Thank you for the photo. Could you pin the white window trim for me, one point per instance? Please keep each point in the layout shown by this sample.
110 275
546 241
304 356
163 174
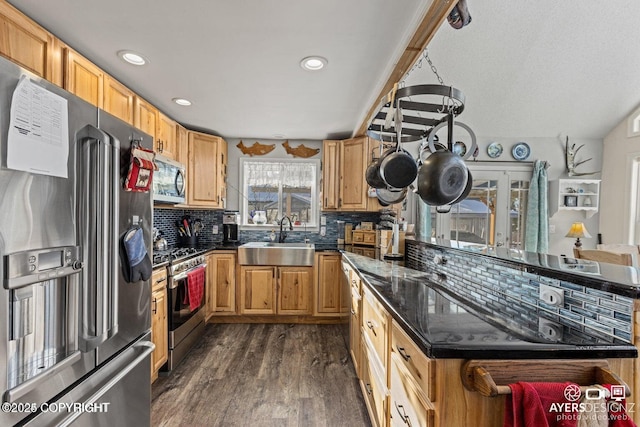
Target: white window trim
244 202
633 124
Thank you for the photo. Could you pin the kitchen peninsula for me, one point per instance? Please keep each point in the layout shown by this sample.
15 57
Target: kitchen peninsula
429 330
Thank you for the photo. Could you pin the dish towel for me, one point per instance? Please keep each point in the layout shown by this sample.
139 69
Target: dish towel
530 405
591 409
617 413
195 287
135 261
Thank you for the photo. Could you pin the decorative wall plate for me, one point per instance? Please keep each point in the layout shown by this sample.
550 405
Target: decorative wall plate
459 148
520 151
494 150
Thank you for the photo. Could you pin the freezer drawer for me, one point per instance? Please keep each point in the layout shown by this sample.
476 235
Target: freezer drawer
116 394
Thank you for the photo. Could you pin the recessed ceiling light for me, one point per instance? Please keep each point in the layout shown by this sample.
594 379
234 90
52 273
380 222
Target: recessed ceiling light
132 57
313 63
182 101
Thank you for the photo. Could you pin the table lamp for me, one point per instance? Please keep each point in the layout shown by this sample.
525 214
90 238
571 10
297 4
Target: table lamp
578 230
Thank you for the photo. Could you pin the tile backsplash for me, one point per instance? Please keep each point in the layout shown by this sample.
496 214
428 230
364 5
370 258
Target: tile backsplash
164 219
512 294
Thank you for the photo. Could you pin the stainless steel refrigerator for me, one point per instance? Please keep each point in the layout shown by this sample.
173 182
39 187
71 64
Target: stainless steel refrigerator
74 334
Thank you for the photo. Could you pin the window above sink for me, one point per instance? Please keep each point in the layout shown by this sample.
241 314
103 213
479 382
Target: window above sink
280 187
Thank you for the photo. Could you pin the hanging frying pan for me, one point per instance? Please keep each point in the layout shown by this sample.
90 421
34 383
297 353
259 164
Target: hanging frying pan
388 196
398 168
372 174
442 178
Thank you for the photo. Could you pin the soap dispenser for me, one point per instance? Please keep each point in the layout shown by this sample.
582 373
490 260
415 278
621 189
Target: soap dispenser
273 235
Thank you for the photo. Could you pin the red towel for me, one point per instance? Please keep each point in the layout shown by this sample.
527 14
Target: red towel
540 405
195 287
617 413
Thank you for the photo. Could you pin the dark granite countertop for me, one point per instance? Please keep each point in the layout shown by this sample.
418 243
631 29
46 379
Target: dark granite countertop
447 326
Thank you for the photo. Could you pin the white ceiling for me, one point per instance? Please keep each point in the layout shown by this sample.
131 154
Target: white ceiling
528 69
238 61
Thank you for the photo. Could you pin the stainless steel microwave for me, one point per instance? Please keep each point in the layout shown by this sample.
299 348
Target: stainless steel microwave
168 181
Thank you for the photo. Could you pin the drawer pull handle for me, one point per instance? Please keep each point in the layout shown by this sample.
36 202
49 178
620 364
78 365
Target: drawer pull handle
155 306
161 280
368 388
403 353
403 415
353 312
370 325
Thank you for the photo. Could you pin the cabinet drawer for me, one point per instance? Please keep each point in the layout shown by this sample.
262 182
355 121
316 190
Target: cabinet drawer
358 237
370 238
407 407
413 359
158 278
375 324
374 388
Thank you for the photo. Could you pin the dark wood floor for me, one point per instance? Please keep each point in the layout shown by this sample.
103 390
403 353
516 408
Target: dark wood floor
263 375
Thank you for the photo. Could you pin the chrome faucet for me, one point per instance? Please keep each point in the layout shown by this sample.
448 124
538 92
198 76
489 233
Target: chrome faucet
283 234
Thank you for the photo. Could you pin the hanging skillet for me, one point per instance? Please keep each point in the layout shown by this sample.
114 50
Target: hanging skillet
398 168
443 175
388 196
372 174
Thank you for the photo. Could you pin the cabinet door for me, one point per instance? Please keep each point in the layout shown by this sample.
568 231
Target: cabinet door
202 185
166 135
144 118
224 274
83 78
27 44
159 328
257 290
330 279
182 143
408 406
118 99
222 172
294 290
330 175
355 341
353 166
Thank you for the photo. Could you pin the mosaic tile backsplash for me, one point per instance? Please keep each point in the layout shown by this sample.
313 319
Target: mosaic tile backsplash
511 294
164 220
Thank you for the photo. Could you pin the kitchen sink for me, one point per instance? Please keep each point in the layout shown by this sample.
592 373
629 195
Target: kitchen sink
273 253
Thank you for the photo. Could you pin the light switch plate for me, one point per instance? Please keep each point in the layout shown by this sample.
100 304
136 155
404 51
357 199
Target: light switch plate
323 220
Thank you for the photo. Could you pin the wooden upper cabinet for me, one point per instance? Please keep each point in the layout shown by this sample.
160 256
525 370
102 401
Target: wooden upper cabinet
353 166
330 174
166 135
182 143
83 78
202 176
145 118
118 99
29 45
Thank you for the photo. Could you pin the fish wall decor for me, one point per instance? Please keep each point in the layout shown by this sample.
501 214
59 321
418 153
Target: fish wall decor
256 149
300 150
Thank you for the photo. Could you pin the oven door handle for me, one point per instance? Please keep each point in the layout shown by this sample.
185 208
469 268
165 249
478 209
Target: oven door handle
183 275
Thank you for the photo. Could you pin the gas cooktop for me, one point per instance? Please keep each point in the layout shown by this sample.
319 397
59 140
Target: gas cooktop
175 255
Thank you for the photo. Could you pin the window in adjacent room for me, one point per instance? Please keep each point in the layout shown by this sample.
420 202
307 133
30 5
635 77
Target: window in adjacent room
280 187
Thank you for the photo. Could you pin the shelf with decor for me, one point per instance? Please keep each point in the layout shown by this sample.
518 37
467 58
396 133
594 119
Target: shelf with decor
570 194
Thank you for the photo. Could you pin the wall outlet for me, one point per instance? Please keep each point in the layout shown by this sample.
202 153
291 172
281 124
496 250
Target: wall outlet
551 295
323 231
552 229
214 229
549 329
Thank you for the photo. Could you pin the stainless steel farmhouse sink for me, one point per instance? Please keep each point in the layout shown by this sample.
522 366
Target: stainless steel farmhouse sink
272 253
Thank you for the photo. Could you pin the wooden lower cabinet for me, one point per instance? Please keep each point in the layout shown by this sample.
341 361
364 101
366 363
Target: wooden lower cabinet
407 404
257 290
275 290
159 325
330 298
221 283
294 290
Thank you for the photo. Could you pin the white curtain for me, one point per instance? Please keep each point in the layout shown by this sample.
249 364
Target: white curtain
291 175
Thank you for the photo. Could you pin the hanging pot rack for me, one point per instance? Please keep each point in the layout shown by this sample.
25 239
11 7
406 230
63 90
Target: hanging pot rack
423 107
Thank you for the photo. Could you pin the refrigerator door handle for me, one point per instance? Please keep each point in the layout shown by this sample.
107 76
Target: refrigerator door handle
146 348
98 216
24 388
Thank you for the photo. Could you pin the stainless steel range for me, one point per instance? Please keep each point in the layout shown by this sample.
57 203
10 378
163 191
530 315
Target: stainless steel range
186 326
